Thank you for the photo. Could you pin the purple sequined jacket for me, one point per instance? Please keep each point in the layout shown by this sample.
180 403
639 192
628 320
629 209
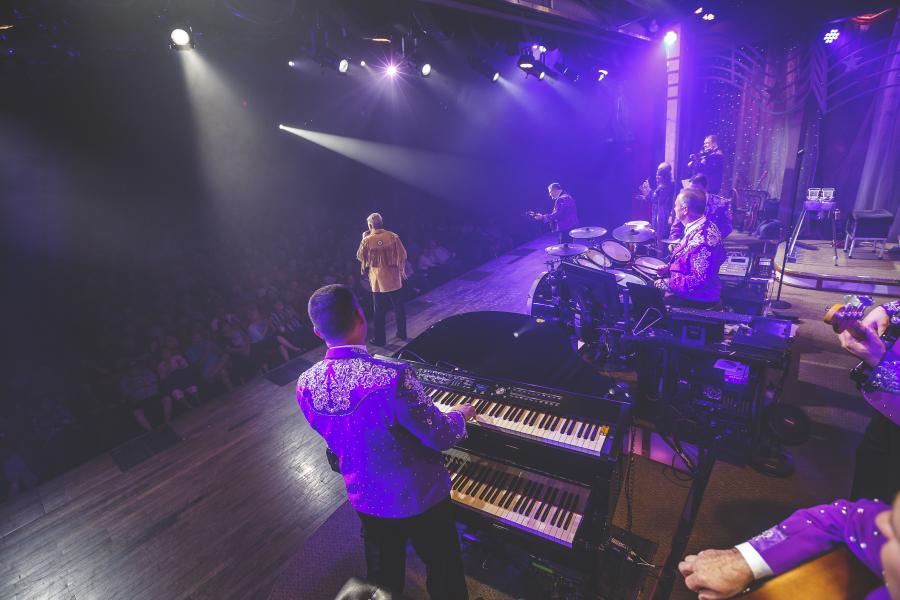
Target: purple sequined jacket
811 532
564 216
695 262
386 431
883 390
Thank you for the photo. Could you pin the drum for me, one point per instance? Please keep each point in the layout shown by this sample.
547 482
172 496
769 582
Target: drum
598 258
582 261
616 252
540 298
623 278
648 266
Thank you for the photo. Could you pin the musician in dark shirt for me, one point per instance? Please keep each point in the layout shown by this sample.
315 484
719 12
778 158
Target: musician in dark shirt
709 162
564 216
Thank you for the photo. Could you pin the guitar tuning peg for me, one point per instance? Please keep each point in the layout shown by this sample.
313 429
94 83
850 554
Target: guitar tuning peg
866 301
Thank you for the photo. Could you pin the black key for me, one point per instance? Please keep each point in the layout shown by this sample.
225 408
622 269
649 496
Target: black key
534 498
511 493
548 505
523 498
565 510
555 515
555 424
500 487
581 430
572 511
489 488
476 479
544 421
595 432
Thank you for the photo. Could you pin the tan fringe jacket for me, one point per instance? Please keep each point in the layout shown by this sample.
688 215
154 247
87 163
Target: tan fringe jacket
382 252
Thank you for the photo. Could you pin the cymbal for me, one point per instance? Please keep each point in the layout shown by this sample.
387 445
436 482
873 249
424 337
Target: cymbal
629 234
638 224
565 249
674 240
584 233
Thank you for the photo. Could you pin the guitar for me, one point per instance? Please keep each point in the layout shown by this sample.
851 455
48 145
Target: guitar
847 317
837 575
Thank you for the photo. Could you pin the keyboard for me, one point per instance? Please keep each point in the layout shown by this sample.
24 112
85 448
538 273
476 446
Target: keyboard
587 436
536 504
711 315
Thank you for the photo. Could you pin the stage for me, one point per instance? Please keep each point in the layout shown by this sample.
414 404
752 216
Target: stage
865 273
223 512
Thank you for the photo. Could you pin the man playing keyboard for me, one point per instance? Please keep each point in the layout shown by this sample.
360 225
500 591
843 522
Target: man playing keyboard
388 436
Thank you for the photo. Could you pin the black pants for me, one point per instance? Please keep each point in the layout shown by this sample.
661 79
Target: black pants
877 470
434 538
383 301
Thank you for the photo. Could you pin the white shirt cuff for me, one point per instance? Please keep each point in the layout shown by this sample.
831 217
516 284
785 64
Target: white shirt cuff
758 565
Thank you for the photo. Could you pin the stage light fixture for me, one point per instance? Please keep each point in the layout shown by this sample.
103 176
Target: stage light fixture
391 70
831 36
327 57
670 38
542 74
526 62
362 63
181 39
425 69
485 68
291 63
709 17
699 10
601 74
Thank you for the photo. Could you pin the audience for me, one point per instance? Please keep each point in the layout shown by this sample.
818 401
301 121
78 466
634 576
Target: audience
200 317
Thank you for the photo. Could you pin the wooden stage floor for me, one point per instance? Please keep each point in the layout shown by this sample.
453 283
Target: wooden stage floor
220 513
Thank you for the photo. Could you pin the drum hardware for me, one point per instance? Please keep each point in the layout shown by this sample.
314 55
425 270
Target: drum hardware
617 253
648 266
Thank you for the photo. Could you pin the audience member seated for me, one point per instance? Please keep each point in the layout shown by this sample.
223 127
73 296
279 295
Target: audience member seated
140 391
262 339
292 335
205 355
177 378
868 528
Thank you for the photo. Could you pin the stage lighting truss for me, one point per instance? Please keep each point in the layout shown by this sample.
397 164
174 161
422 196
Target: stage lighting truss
182 38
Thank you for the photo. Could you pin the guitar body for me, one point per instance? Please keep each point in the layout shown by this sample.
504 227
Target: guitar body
846 317
837 575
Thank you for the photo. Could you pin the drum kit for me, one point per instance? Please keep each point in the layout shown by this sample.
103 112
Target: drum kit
625 256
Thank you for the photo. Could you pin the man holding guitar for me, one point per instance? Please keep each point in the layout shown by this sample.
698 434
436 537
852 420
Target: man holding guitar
870 529
564 216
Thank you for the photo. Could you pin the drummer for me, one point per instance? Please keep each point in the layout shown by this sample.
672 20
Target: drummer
691 278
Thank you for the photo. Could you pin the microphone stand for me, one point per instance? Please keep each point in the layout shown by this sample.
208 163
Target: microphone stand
778 303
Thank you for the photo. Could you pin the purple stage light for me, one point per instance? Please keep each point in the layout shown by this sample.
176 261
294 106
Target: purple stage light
831 36
670 38
699 10
291 63
709 17
391 70
601 74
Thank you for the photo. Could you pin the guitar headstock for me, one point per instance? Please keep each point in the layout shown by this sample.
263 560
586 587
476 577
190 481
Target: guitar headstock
846 315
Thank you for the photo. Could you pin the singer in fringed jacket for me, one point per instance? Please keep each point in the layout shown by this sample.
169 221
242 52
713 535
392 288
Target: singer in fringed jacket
382 253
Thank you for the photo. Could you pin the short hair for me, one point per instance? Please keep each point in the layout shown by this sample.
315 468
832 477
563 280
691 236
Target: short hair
375 220
694 200
713 138
333 310
665 167
554 186
700 179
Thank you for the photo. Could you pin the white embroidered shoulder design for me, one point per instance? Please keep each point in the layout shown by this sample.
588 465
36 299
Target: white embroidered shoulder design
331 382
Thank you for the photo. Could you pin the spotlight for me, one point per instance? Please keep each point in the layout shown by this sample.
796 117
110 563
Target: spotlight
425 69
601 74
709 17
699 10
670 38
542 74
539 48
291 63
485 68
332 60
568 72
526 62
362 63
831 36
391 70
181 39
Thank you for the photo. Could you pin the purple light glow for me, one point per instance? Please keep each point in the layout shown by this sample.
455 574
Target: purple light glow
391 70
670 38
831 36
